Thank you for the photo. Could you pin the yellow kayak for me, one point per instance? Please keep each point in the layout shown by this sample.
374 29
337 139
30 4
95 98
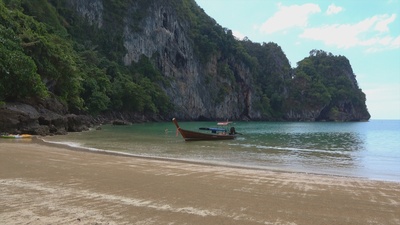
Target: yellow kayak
16 136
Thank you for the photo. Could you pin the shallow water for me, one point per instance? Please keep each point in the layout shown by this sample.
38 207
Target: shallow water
360 149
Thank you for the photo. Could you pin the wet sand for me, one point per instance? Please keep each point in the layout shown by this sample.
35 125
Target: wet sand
47 184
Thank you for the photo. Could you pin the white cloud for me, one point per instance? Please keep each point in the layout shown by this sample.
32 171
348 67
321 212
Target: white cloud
383 21
367 33
333 9
238 35
343 36
378 44
396 42
289 17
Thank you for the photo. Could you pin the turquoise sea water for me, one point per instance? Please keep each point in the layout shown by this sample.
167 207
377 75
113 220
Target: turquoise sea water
358 149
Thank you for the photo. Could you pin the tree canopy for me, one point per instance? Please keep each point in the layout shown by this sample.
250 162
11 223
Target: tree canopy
38 57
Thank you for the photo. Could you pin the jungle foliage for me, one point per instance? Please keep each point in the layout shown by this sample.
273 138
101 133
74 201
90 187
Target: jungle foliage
46 49
323 80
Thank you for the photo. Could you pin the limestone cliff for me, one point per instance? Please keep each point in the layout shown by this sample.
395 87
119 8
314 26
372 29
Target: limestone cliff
227 84
163 36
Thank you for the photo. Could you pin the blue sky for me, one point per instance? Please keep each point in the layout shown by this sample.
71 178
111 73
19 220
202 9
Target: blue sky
367 32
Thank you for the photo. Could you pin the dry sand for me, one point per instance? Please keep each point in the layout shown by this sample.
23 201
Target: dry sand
44 184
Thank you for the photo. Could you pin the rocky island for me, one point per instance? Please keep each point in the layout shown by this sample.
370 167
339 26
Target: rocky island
80 63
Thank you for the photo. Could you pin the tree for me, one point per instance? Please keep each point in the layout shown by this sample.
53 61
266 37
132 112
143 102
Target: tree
18 73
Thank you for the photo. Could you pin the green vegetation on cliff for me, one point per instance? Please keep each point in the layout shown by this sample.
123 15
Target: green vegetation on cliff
48 49
19 77
325 81
42 53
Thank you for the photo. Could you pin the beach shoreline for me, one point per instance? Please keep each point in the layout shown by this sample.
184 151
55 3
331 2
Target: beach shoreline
47 183
74 147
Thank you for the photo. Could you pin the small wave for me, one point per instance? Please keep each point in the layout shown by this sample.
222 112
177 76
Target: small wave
332 151
70 144
195 160
79 146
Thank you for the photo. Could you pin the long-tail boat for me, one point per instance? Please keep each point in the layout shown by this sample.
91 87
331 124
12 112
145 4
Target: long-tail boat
189 135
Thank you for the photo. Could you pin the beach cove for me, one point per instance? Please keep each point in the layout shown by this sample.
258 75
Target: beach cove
53 184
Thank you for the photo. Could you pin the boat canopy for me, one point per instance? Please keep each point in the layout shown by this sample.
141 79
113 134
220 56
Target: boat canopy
213 129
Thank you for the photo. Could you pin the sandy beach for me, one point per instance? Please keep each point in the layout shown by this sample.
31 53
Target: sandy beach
48 184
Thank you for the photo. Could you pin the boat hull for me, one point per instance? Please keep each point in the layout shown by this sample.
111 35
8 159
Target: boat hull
189 135
198 136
